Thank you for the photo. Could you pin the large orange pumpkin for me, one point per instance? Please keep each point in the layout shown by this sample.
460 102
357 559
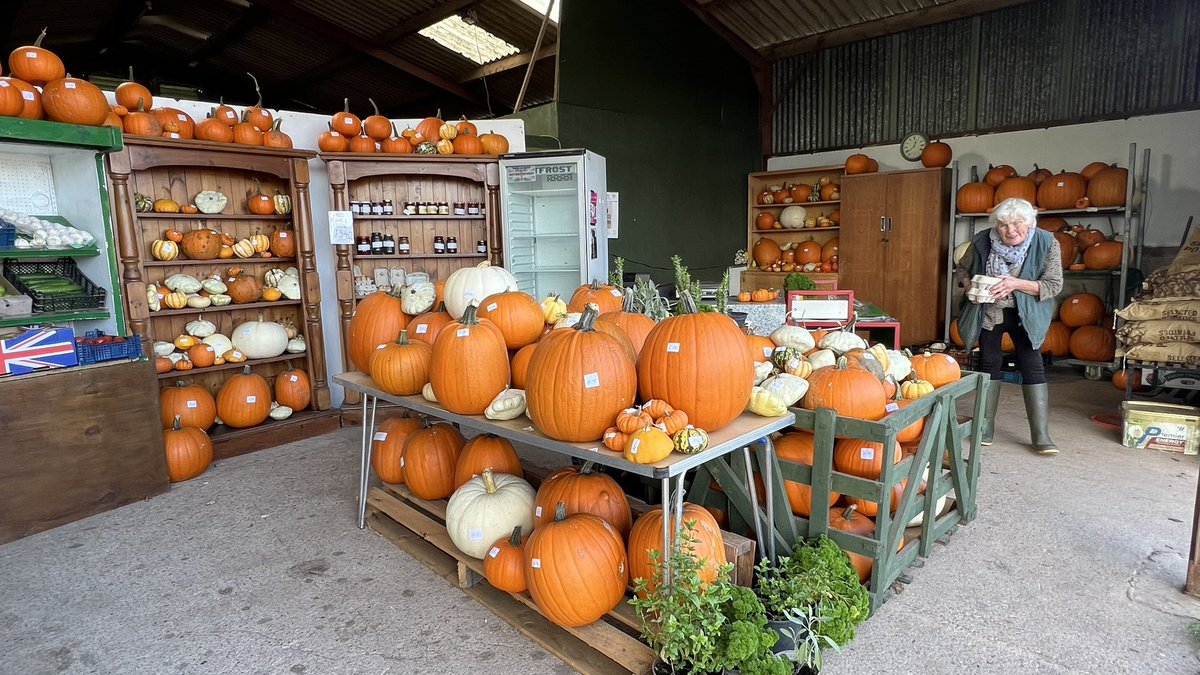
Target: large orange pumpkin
1104 255
504 564
212 129
936 155
425 327
401 368
913 431
1058 339
36 64
1015 186
377 320
74 101
708 547
1120 379
1067 248
387 447
1092 169
189 451
1062 191
244 400
808 252
1081 309
852 392
11 101
1107 187
486 451
1052 223
698 363
1093 343
579 379
634 324
470 364
974 197
797 447
936 368
576 568
862 458
607 298
761 348
428 127
430 455
997 174
520 365
184 124
467 144
201 244
493 143
518 316
191 402
848 519
583 490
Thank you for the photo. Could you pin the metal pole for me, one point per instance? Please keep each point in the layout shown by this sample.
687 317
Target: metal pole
533 60
767 462
365 475
666 531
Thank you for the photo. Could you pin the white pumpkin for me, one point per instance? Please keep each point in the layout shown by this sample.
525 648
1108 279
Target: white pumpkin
214 286
295 345
793 336
792 217
842 341
279 412
822 358
510 404
152 298
418 298
184 283
200 327
220 299
788 388
162 348
763 370
937 510
272 276
898 364
260 339
427 393
219 342
765 403
198 301
486 508
475 283
289 286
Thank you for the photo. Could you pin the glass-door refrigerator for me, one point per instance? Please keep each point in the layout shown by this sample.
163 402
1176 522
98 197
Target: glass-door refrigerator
554 219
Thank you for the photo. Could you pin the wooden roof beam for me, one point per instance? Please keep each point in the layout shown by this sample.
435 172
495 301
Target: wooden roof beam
514 61
734 40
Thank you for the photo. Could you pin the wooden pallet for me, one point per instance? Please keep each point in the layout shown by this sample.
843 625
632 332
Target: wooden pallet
417 527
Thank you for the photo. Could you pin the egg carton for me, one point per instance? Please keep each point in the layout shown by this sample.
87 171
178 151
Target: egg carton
49 232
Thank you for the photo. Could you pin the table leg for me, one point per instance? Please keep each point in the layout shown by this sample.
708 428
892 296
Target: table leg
666 530
364 468
758 533
679 504
770 449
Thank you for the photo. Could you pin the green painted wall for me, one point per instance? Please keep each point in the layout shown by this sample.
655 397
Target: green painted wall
674 112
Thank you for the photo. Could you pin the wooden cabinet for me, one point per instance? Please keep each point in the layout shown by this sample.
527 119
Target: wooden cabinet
893 246
412 178
819 222
178 170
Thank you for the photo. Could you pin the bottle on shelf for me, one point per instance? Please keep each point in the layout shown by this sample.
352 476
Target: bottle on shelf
439 245
389 245
481 247
460 209
452 246
376 243
473 208
363 246
389 209
443 209
404 248
410 208
377 208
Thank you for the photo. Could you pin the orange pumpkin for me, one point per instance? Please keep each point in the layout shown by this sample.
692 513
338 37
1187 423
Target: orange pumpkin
425 327
493 143
1093 343
486 451
244 400
191 402
518 316
428 128
1081 309
635 325
345 122
1107 187
852 392
331 141
937 369
74 101
848 519
1061 191
1058 339
607 298
202 355
520 366
575 566
583 490
468 144
36 64
430 455
470 364
504 564
377 126
1016 186
293 388
246 133
1120 379
401 368
257 115
862 458
387 447
362 144
377 320
708 546
212 129
936 154
395 145
997 174
189 451
761 348
797 447
275 138
974 197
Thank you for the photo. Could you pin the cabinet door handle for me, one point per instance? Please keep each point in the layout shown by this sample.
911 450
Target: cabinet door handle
889 223
883 223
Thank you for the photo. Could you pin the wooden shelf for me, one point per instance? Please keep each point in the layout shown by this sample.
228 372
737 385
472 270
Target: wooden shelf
28 253
756 205
231 306
1091 211
420 256
403 217
218 261
54 317
211 216
227 366
229 442
802 230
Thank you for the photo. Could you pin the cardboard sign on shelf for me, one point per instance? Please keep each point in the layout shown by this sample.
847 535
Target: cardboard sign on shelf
822 306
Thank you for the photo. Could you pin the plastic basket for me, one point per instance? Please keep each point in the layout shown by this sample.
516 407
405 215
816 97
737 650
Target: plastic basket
130 348
92 296
8 236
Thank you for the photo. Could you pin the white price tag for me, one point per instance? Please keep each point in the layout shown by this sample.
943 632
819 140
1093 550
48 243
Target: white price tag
380 435
463 332
616 293
182 117
892 407
68 85
866 453
401 461
537 512
494 552
251 399
249 331
378 347
767 352
492 307
294 378
536 563
4 83
27 95
672 347
475 534
1060 184
778 349
422 329
591 380
282 234
191 404
634 446
31 55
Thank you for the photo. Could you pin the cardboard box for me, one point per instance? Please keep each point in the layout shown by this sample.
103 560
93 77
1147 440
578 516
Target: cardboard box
1160 426
37 349
12 303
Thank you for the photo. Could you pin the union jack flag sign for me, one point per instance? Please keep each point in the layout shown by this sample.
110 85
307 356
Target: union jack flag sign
38 349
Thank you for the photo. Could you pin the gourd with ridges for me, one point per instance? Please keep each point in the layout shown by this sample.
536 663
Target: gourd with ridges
189 451
430 455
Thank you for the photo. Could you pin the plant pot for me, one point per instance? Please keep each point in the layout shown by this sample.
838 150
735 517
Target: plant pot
661 667
785 643
739 318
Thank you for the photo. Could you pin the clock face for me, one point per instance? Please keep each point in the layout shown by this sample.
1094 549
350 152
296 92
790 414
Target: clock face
912 147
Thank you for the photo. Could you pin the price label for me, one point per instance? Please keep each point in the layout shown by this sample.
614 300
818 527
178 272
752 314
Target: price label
462 332
294 378
633 447
31 55
182 117
468 295
767 352
68 85
616 293
378 347
282 233
892 407
251 399
591 380
494 552
537 512
27 95
536 563
672 347
422 329
866 453
492 307
191 404
401 461
778 349
380 435
475 534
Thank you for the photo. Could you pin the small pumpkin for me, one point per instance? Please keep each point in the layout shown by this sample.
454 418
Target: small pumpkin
164 249
189 451
614 439
631 420
504 564
914 389
486 507
690 440
401 368
244 400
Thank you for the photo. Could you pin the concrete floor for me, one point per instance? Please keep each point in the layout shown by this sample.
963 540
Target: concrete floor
1073 565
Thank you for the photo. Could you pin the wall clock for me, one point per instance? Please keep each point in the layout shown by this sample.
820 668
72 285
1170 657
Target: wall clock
912 147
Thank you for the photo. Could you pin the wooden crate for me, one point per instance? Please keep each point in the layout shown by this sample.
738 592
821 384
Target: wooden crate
947 459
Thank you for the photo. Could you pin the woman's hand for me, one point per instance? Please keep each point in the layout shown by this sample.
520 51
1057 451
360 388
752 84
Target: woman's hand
1009 285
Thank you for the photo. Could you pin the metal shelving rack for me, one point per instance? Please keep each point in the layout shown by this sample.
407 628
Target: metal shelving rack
1132 228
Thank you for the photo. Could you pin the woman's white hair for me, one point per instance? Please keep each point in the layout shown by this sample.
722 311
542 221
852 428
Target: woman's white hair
1013 209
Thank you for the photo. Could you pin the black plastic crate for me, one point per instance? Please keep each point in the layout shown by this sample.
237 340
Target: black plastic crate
92 296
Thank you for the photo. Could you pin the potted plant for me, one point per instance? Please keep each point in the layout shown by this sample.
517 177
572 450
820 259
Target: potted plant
804 634
696 627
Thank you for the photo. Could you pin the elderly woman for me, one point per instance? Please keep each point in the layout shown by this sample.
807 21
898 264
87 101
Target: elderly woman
1027 262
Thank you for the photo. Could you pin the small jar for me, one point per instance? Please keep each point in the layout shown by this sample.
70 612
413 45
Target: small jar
403 248
473 209
444 209
389 245
460 209
389 209
376 243
410 209
377 208
355 209
439 245
423 208
481 247
452 246
363 245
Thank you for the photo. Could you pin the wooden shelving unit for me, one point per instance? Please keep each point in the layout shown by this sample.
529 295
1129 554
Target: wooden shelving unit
764 180
180 169
413 178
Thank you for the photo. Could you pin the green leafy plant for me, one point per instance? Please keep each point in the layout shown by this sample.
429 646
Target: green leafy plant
684 284
647 300
805 633
723 294
616 276
798 282
817 575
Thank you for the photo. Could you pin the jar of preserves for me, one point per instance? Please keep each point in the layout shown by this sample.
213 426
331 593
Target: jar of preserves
377 208
376 243
473 209
389 209
460 209
439 245
481 247
363 245
403 248
452 245
389 245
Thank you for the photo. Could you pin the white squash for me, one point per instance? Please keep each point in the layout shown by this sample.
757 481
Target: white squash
792 217
427 393
289 286
279 412
219 342
184 283
200 327
260 339
474 284
176 357
272 276
220 299
937 510
417 298
793 336
788 388
210 201
509 404
152 298
822 358
162 348
214 286
842 341
898 364
763 370
486 508
295 345
198 301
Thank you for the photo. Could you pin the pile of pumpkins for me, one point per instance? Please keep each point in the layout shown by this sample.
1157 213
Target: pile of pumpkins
795 256
1082 330
38 87
431 136
758 295
1096 185
203 346
823 189
236 287
243 400
206 244
572 543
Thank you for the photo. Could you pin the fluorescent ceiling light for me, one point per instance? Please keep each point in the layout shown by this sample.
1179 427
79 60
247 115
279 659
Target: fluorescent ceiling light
540 7
473 42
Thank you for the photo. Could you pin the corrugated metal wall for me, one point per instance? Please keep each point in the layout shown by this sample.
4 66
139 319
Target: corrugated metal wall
1036 64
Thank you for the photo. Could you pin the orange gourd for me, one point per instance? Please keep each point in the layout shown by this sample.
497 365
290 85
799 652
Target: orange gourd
470 364
504 564
244 400
518 316
275 138
377 126
486 451
575 566
852 392
212 129
396 144
862 458
1081 309
377 320
493 143
936 369
974 197
428 128
362 144
607 298
74 101
190 402
387 447
189 451
246 133
202 355
797 447
997 174
1015 186
583 490
36 64
646 536
333 141
401 368
293 388
1061 191
1093 343
430 455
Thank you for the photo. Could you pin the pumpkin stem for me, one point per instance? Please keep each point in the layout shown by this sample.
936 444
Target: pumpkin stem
375 107
560 512
515 539
257 191
256 90
586 468
403 338
177 424
468 317
245 370
131 73
38 41
489 482
141 104
275 125
346 105
394 134
848 513
842 363
596 285
587 322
